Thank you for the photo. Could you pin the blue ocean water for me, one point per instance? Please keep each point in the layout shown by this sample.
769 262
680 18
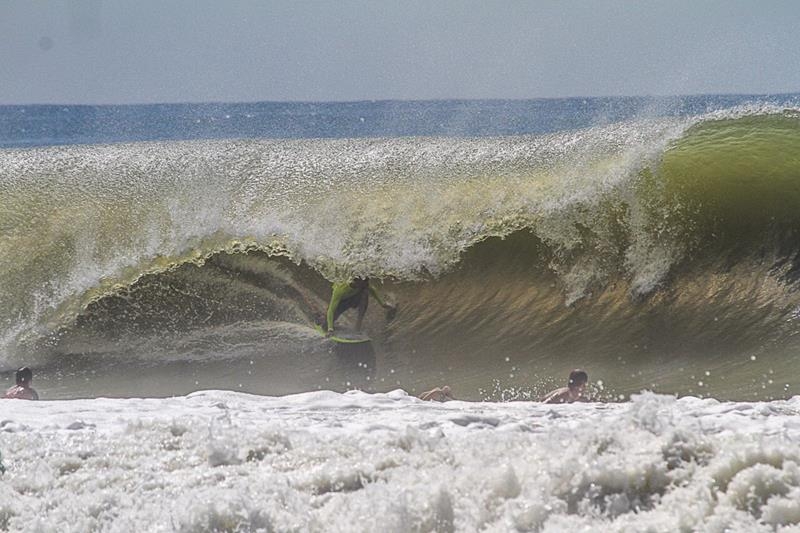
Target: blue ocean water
43 125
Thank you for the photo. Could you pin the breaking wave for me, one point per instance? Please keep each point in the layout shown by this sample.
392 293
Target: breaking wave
678 234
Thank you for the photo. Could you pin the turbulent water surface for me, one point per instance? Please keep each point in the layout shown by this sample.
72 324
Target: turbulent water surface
321 461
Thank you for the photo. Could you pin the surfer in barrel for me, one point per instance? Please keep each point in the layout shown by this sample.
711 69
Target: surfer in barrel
574 390
354 295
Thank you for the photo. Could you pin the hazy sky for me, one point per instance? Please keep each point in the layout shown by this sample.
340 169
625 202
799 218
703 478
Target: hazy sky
104 51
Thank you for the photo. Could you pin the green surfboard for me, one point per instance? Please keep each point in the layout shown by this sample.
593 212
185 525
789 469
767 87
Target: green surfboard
345 337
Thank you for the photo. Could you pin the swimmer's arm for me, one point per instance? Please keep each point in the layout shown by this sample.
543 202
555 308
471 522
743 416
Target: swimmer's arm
427 395
556 396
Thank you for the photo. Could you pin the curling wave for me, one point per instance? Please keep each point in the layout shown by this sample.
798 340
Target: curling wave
655 229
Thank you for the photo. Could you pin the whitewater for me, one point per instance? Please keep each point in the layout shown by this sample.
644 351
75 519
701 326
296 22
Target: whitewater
161 268
324 461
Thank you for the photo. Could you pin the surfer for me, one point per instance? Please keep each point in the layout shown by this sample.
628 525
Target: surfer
438 394
354 295
573 392
22 390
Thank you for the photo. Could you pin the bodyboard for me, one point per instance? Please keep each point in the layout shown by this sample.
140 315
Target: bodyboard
344 337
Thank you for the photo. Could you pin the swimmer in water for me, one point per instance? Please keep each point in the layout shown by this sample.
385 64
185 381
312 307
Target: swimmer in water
574 390
22 390
439 394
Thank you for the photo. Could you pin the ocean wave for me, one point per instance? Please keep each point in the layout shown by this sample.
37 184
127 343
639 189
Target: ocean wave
661 211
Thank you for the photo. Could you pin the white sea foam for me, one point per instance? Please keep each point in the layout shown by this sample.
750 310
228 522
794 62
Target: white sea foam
322 461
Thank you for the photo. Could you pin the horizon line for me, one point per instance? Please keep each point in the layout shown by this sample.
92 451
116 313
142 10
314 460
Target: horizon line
408 100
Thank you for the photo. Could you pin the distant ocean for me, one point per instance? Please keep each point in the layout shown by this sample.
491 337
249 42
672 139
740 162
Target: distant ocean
48 125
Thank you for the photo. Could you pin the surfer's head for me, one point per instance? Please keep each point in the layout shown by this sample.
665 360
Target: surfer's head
360 283
23 376
578 379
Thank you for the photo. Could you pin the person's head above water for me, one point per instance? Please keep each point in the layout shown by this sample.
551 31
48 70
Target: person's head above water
578 379
24 376
574 390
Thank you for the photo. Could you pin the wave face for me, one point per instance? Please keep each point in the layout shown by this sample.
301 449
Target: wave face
659 253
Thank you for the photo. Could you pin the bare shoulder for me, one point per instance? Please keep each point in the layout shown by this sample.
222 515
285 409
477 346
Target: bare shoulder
557 396
21 393
438 394
12 392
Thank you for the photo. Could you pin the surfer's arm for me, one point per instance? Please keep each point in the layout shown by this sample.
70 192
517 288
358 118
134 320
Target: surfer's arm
391 309
378 298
